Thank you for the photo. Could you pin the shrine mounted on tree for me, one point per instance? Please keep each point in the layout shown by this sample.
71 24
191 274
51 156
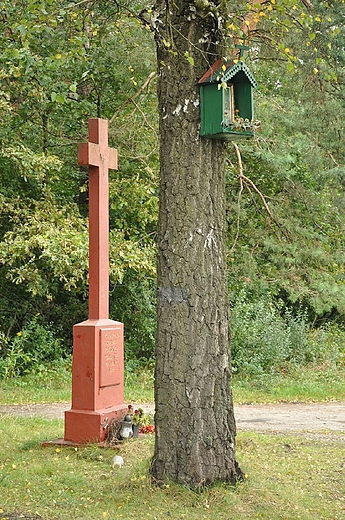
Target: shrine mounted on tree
226 101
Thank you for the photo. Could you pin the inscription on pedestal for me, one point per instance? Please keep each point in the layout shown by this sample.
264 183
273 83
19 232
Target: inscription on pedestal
110 350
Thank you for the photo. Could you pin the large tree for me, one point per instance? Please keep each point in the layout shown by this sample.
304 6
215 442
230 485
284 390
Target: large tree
195 440
195 425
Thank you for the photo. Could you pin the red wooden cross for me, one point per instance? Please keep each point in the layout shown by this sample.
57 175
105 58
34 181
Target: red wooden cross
99 158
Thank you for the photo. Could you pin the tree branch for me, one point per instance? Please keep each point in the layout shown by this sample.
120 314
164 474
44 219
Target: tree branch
250 184
131 99
240 176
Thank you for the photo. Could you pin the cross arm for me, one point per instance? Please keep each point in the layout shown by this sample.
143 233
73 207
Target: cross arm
89 154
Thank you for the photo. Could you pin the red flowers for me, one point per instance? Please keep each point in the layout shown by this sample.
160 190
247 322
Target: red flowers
147 429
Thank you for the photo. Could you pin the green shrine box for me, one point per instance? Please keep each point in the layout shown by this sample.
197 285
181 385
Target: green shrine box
226 101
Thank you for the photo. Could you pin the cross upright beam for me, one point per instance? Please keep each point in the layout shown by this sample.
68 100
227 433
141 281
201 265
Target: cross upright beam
99 158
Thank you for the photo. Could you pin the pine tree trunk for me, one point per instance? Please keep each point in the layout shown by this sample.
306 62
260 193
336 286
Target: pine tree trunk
195 426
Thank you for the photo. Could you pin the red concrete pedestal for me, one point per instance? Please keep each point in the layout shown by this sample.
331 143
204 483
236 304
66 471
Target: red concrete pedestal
98 380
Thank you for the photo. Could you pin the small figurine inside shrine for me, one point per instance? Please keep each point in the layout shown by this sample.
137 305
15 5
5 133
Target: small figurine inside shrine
226 101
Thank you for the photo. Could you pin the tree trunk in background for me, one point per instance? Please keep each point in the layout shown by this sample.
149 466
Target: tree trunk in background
195 426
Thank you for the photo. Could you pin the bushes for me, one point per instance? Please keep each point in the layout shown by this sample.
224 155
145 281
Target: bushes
134 303
266 338
34 348
37 347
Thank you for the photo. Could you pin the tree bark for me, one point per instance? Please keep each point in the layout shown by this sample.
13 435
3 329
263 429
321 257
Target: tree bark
195 425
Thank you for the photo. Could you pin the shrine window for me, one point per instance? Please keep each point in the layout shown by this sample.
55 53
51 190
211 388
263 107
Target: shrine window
228 105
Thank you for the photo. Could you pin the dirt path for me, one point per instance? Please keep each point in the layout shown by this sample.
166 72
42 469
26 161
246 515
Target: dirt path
291 417
314 417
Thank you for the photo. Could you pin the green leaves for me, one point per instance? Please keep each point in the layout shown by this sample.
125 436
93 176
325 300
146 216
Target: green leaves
294 250
30 165
45 248
59 98
61 63
189 58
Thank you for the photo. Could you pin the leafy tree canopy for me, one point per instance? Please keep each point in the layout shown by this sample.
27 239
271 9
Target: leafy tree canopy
62 62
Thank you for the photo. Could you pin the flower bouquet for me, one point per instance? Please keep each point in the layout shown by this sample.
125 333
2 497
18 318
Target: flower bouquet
139 419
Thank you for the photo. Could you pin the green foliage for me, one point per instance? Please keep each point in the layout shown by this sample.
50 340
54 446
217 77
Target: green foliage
267 339
134 302
285 211
45 248
293 245
62 63
32 349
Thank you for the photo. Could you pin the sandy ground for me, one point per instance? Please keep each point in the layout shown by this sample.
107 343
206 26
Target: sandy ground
314 417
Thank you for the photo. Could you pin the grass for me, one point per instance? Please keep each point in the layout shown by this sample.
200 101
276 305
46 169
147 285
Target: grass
305 384
139 385
300 384
55 386
287 478
37 388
